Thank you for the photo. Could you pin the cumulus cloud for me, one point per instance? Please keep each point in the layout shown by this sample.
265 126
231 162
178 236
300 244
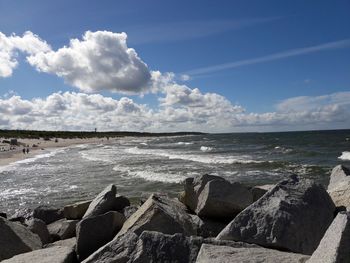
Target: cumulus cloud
100 61
29 43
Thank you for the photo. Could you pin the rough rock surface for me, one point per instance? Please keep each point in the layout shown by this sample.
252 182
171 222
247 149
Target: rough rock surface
15 239
39 227
48 214
55 254
259 190
339 186
154 247
103 202
62 229
334 246
292 216
207 227
214 197
94 232
129 210
70 242
162 214
225 254
76 210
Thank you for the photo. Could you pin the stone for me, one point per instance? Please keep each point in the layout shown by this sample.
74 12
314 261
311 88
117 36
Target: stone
4 215
70 242
334 246
214 197
48 214
259 190
225 254
153 246
121 202
94 232
207 227
62 229
293 216
55 254
162 214
16 239
76 210
39 227
103 202
129 210
339 186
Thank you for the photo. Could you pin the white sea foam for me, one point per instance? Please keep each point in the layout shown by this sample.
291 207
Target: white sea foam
143 143
345 156
206 149
185 143
213 159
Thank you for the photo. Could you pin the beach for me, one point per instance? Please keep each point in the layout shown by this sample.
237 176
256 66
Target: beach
36 146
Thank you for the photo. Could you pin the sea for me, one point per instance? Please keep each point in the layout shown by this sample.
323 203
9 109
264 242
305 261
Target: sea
139 166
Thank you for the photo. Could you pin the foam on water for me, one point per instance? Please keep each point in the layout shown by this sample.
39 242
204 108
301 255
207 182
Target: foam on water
185 143
345 156
206 149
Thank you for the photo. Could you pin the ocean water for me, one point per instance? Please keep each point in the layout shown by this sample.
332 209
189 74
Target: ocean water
138 166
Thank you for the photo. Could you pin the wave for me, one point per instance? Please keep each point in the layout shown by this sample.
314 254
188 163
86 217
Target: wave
96 156
185 143
212 159
206 149
345 156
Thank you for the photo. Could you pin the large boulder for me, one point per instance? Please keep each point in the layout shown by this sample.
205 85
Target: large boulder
76 210
162 214
62 229
225 254
55 254
16 239
154 247
48 214
339 186
39 227
292 216
334 246
70 242
94 232
214 197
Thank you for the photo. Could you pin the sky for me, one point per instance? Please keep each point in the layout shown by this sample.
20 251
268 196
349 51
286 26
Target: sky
160 65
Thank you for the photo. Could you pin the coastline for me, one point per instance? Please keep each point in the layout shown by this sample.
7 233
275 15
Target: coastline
10 156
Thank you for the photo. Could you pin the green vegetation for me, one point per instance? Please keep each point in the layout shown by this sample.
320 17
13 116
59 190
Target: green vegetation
82 134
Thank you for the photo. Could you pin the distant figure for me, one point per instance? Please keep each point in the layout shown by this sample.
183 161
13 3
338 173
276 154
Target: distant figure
24 151
27 150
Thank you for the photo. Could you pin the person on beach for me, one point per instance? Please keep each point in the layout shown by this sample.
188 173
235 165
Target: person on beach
27 150
24 151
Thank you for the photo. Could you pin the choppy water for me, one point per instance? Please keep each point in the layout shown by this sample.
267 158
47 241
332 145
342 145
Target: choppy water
139 165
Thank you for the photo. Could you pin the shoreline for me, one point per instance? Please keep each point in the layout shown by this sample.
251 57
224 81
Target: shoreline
11 156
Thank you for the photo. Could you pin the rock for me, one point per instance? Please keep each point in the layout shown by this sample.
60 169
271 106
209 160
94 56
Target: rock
162 214
259 190
214 197
48 214
129 210
339 186
103 203
25 213
154 247
56 254
4 215
70 242
293 216
94 232
62 229
76 210
38 227
121 202
334 246
225 254
16 239
207 227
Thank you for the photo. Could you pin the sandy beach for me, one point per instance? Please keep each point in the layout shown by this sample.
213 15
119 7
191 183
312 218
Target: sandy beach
10 154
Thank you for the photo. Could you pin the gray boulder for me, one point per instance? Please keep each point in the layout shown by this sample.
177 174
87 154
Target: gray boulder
214 197
339 186
121 202
129 210
94 232
76 210
292 216
56 254
103 202
207 227
48 214
259 190
39 227
162 214
70 242
154 247
225 254
62 229
16 239
334 246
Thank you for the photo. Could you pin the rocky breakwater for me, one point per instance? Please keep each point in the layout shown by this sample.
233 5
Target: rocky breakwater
213 220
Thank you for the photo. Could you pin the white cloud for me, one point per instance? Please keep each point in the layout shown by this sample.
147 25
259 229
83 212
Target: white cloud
100 61
9 45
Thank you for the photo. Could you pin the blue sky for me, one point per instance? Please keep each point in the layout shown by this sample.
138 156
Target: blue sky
255 54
